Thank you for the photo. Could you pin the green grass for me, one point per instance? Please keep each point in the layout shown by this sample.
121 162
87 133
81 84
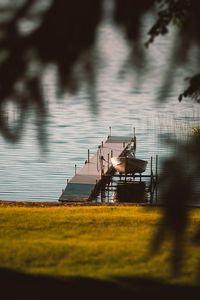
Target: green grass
99 242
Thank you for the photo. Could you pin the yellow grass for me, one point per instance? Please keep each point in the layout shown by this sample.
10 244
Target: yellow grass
99 242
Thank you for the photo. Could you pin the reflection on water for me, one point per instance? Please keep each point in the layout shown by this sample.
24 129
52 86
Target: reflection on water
118 98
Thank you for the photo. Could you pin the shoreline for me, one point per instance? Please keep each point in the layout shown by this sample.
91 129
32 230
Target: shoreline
48 204
4 203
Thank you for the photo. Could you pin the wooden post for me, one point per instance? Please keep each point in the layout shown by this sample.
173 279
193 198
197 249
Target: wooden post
88 155
102 165
75 169
151 185
111 153
156 168
134 143
97 159
110 131
133 132
125 167
156 178
151 165
108 160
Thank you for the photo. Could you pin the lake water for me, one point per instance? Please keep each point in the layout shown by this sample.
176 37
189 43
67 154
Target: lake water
119 98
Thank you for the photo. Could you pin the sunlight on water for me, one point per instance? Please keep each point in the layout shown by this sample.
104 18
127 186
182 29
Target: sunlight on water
119 98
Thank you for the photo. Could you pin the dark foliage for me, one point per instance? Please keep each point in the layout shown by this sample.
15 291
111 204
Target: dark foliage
170 11
129 14
193 90
179 185
64 32
15 285
184 14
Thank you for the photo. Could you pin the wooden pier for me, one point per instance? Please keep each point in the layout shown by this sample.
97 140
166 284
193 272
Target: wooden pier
87 181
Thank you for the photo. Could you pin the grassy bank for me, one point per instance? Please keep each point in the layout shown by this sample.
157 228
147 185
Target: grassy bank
97 242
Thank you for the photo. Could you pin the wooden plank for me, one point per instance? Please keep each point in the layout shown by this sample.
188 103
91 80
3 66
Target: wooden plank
84 181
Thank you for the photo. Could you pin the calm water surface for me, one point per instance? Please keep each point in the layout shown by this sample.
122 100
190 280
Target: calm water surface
120 98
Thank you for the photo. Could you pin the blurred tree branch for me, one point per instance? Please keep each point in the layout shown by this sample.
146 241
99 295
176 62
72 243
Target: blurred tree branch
63 33
34 34
185 15
179 186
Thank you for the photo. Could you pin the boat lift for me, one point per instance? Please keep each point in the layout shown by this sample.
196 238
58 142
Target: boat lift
98 181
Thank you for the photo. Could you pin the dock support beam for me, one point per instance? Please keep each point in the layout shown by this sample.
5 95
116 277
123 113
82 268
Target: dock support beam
75 168
108 160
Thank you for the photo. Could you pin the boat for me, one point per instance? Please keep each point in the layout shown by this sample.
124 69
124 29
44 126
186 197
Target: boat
129 164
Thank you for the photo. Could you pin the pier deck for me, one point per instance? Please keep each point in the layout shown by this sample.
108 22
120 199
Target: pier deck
89 177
